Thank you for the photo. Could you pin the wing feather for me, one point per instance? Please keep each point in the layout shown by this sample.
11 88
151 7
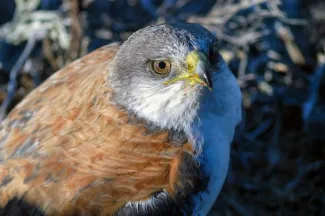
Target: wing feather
68 149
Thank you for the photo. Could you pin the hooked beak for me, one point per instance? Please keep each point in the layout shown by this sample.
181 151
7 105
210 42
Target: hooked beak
202 70
197 71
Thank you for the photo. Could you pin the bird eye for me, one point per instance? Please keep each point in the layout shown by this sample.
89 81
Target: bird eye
161 66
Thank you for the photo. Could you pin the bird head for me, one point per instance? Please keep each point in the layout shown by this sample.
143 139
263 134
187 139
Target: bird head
162 71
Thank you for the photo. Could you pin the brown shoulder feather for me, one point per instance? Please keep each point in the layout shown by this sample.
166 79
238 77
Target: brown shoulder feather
67 148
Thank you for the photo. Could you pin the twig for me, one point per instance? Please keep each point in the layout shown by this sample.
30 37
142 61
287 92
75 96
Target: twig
273 152
243 62
11 89
236 205
314 87
76 31
302 171
220 15
263 126
49 54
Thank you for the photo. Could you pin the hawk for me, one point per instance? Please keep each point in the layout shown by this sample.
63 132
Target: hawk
142 128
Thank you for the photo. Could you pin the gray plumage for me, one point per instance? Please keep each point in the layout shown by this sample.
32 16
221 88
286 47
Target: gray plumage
143 92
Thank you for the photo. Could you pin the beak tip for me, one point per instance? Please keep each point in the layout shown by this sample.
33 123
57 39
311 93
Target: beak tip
207 80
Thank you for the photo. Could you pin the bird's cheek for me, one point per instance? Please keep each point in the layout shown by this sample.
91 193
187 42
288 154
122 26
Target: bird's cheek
189 89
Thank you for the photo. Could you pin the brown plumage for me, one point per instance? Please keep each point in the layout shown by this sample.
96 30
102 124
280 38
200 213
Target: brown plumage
68 149
138 129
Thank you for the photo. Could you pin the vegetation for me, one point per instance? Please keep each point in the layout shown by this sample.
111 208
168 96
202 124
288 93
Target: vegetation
275 48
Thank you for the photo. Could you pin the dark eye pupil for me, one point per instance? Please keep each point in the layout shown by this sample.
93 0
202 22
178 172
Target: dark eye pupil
162 65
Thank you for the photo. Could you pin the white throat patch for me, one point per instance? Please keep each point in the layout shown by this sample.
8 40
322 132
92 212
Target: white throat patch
171 108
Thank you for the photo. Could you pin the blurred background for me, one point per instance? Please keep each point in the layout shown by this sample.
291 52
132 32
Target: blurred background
276 49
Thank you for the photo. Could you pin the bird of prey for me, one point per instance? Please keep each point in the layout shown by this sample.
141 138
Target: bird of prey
141 128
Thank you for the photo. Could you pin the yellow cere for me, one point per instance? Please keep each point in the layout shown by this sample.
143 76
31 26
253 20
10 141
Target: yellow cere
189 75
